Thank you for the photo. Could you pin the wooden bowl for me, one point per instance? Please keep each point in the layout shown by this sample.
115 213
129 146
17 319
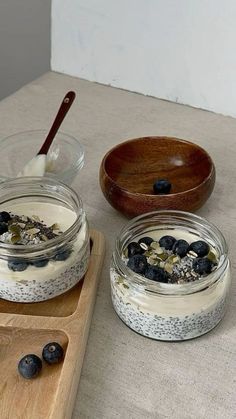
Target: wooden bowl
129 170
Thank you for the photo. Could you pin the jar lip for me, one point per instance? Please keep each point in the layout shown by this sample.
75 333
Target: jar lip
65 235
168 288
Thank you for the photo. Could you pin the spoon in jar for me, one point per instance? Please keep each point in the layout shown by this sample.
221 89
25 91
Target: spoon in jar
37 165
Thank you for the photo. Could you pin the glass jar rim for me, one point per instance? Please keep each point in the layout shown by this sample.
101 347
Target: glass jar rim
168 288
66 235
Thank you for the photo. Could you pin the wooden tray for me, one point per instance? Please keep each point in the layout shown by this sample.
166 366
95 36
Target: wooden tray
26 328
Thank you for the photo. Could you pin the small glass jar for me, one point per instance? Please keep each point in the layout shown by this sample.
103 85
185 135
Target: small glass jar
166 311
52 267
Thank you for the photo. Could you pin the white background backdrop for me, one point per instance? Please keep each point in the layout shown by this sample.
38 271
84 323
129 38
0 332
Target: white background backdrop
179 50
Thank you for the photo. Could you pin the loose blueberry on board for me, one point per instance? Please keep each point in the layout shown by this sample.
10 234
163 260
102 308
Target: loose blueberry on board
4 217
53 353
180 248
62 255
202 266
167 242
146 240
17 265
156 274
200 247
3 228
138 264
40 263
162 186
30 366
134 249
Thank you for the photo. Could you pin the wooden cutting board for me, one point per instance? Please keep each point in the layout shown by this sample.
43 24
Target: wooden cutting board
26 328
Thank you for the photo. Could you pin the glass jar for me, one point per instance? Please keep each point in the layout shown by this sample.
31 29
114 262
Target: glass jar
51 267
166 311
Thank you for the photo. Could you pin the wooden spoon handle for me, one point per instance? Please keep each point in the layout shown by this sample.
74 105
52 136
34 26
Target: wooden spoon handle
65 106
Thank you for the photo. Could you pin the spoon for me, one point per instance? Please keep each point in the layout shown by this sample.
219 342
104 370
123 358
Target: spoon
37 165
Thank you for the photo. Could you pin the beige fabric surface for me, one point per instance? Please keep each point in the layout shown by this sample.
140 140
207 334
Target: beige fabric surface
126 375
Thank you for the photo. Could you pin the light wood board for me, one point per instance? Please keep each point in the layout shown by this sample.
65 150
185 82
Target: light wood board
26 328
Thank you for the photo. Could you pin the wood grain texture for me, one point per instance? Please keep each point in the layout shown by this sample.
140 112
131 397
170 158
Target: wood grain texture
129 170
25 330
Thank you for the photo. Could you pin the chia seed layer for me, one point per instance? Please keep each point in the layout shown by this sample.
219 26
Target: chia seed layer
29 291
164 327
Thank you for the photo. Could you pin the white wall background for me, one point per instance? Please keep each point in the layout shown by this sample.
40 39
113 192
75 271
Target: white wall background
24 42
180 50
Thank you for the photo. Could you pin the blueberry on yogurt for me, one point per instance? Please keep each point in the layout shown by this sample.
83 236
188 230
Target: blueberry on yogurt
167 242
146 240
3 228
40 263
17 265
138 264
156 274
4 216
180 248
134 249
200 247
202 266
62 255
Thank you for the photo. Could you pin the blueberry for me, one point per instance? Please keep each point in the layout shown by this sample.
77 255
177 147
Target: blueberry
200 247
3 228
4 217
17 265
156 274
30 366
167 242
134 249
180 248
53 353
138 264
40 263
146 240
202 266
162 186
62 255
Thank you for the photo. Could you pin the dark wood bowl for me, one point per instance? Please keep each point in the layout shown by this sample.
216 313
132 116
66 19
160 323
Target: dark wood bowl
129 170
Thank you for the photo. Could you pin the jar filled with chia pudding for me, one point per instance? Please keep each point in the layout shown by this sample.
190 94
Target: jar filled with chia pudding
170 275
44 239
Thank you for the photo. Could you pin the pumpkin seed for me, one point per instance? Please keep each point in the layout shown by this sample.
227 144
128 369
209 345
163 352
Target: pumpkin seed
35 218
55 226
173 259
21 225
15 238
154 245
15 229
211 256
168 268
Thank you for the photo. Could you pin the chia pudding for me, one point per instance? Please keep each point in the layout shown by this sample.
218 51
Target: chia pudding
44 247
165 291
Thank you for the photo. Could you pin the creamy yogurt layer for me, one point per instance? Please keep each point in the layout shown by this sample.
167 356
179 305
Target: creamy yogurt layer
170 315
57 276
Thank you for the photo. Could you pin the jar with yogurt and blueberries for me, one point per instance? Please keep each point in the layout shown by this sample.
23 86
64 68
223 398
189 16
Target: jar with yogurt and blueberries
44 239
170 275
